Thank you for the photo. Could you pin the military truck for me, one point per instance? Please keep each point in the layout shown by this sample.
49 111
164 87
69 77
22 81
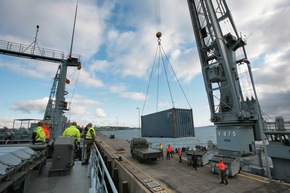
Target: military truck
141 151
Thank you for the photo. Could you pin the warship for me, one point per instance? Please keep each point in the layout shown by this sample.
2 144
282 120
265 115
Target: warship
54 167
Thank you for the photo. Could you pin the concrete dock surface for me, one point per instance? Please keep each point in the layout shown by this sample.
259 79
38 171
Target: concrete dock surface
173 177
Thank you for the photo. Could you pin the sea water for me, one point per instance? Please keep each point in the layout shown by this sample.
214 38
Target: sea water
202 136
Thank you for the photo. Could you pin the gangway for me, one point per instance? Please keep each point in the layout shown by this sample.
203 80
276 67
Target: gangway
26 51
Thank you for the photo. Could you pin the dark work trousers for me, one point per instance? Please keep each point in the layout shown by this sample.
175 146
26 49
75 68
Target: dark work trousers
224 176
168 155
89 144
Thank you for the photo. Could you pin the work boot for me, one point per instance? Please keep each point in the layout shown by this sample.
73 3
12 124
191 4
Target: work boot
221 182
226 183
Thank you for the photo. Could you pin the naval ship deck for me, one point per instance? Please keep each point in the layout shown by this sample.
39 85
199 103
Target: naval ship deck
75 180
162 176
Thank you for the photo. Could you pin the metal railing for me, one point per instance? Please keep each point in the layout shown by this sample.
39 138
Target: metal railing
100 179
272 126
32 50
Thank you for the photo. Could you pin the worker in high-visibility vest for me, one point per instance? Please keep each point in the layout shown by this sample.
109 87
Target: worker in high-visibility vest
38 134
179 151
168 151
223 173
90 139
73 131
161 149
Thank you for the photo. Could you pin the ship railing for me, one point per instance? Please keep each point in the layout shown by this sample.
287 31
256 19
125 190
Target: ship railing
100 179
272 126
32 49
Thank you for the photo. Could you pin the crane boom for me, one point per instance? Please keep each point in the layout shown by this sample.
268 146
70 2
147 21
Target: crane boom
227 77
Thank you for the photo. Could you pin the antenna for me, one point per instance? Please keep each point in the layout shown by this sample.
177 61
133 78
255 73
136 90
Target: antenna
34 42
73 33
35 39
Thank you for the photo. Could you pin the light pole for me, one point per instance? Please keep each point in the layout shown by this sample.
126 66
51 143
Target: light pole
139 120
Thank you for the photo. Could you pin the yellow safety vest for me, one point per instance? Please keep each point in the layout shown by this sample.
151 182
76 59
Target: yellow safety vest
72 131
40 134
88 135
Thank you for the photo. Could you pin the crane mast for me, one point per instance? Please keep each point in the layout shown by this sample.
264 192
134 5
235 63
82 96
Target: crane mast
227 77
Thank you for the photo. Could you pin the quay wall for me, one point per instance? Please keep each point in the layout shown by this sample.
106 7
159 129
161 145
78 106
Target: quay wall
124 181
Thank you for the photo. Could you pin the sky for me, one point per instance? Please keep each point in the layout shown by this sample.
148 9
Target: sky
117 44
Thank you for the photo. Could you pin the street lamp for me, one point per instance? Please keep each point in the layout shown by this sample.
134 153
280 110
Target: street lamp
138 117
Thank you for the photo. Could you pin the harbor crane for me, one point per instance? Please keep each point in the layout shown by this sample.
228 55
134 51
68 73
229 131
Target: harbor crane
227 75
230 89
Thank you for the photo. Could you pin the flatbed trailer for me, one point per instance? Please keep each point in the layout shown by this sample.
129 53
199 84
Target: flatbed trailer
141 151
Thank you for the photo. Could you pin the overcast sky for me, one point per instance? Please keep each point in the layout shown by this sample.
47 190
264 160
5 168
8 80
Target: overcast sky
117 44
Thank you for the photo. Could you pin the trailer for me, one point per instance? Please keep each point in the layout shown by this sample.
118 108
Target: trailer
141 151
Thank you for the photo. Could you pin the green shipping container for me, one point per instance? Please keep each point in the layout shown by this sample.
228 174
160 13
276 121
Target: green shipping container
171 123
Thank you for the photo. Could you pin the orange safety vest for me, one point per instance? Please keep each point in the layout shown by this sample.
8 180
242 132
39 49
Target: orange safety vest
179 151
46 131
221 166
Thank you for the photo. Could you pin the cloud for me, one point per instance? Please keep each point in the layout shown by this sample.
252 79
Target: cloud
272 84
100 113
138 96
29 106
277 106
99 66
88 80
274 69
121 89
80 105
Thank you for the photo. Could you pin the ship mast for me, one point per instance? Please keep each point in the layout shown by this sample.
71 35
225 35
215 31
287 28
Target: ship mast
60 102
57 104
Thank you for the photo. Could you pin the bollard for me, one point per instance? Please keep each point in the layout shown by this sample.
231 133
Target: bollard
125 187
